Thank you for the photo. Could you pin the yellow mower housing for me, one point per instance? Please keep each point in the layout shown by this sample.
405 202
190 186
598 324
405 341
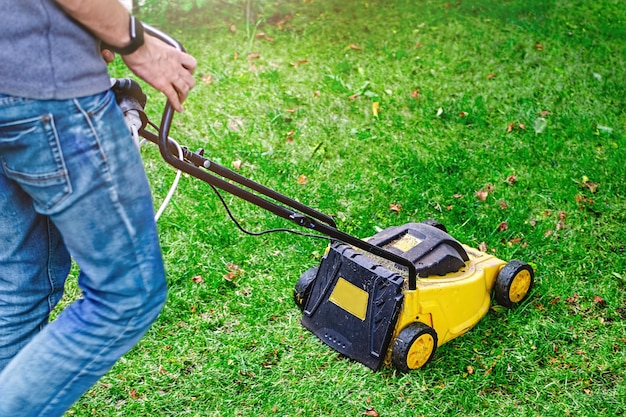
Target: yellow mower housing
364 307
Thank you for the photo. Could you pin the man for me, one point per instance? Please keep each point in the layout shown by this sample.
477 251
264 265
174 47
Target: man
72 185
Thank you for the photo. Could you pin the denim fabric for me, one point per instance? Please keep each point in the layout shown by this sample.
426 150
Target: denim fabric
71 183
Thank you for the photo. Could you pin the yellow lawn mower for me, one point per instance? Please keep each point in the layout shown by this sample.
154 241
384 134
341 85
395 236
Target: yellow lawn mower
372 311
392 298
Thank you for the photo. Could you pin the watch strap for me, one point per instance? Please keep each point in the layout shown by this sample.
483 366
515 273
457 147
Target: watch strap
136 39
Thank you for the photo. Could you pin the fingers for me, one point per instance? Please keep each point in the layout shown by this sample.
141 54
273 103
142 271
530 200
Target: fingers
165 68
179 88
188 62
181 78
176 91
186 81
108 56
183 84
174 98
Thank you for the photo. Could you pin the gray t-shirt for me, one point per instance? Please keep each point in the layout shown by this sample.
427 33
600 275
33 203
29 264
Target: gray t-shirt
44 54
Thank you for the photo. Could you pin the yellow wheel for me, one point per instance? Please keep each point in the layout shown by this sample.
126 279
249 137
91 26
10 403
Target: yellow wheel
414 347
514 283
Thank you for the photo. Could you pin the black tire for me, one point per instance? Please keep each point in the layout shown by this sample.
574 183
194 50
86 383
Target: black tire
414 347
435 223
303 287
514 283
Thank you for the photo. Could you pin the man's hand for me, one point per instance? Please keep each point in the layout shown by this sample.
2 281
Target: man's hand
165 68
162 66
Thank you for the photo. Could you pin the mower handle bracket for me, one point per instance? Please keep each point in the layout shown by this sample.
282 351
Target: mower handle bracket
311 219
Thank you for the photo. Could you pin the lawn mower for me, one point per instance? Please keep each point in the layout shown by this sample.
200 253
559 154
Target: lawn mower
392 298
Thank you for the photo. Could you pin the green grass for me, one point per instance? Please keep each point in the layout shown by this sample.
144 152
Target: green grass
460 87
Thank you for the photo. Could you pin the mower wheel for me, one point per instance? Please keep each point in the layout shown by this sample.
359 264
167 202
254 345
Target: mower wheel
303 287
435 223
414 347
514 283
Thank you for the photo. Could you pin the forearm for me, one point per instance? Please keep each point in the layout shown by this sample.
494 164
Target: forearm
108 20
164 67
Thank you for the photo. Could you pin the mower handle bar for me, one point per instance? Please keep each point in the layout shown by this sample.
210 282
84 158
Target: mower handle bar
304 216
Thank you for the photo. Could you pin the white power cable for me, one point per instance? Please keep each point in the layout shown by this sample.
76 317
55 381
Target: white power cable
170 194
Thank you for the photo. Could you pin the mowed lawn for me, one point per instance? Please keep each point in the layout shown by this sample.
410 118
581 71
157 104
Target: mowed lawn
503 120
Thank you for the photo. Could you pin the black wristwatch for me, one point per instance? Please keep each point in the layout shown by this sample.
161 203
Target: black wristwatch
136 39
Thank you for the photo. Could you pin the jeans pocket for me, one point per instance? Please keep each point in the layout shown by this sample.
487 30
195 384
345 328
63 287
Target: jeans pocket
31 155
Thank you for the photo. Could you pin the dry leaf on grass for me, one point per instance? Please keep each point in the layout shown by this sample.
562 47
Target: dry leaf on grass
234 272
482 195
264 36
299 62
395 207
511 179
253 55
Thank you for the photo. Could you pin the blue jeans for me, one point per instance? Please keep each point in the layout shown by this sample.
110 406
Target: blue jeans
72 185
